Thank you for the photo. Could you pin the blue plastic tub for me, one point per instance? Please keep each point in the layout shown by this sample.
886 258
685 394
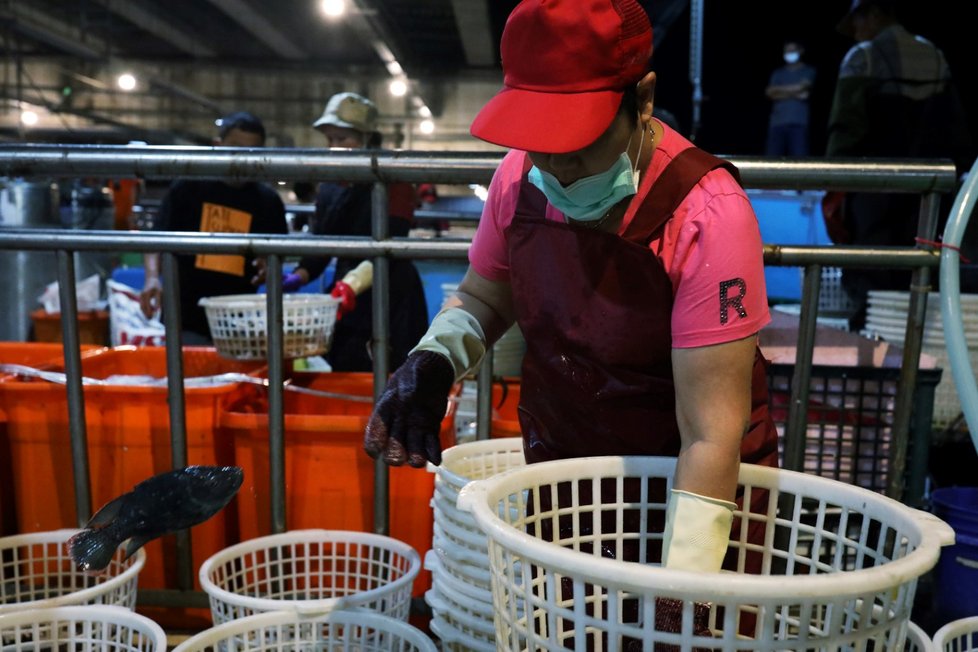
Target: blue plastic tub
956 575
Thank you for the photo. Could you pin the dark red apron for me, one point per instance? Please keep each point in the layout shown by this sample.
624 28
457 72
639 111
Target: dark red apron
595 310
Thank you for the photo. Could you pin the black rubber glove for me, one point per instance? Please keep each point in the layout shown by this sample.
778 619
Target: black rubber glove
406 420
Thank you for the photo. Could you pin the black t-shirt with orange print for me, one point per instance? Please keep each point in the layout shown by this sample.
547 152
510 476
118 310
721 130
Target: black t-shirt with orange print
216 207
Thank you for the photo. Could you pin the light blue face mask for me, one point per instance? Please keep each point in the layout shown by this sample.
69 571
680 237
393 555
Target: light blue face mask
590 198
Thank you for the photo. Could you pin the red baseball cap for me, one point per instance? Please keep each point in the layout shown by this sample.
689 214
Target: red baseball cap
565 66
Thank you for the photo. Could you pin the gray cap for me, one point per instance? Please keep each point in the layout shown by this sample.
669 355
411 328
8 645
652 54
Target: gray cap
351 111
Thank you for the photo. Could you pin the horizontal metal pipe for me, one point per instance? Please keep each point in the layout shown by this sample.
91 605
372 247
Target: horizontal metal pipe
868 175
221 243
846 256
280 164
172 598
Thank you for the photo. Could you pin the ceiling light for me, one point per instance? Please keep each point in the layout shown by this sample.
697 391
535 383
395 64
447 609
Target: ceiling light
394 69
126 81
424 111
333 8
398 87
427 127
28 117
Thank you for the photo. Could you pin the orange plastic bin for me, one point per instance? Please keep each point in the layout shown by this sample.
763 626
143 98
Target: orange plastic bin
128 429
328 476
30 354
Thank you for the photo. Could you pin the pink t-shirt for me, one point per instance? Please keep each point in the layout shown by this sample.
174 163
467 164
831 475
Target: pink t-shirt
711 248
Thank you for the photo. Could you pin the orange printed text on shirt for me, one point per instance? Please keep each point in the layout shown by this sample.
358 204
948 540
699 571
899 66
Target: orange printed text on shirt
215 218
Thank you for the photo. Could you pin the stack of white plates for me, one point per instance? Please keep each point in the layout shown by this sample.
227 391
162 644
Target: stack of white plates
507 353
886 318
461 595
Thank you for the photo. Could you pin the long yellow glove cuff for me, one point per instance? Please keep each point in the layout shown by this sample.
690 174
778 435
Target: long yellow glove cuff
361 277
697 532
457 335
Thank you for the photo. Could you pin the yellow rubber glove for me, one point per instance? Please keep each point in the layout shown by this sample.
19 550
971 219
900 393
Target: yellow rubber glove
697 532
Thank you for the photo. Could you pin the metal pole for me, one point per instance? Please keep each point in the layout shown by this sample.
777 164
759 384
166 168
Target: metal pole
696 62
380 227
276 380
913 339
483 410
176 400
797 423
269 164
73 386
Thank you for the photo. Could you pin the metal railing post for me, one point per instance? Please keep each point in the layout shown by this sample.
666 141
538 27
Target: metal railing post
73 386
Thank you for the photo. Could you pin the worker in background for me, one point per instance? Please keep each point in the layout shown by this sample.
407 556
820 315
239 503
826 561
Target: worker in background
214 207
789 89
344 209
631 261
894 98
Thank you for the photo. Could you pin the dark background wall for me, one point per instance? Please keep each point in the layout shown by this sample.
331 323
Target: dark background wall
743 43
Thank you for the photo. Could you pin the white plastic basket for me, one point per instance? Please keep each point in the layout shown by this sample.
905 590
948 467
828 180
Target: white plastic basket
311 571
36 572
917 639
958 636
838 567
478 460
454 640
340 630
101 627
239 324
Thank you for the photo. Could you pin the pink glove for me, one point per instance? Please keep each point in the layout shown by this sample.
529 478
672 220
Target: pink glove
291 282
347 297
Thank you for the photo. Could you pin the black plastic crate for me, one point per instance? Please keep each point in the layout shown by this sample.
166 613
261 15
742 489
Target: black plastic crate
850 422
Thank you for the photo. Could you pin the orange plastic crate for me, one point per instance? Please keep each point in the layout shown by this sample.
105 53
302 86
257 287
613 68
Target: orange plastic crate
128 430
328 477
505 400
93 326
30 354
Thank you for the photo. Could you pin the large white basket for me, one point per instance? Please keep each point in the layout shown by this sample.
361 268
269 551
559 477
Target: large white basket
311 571
958 636
36 572
239 324
341 630
838 567
101 627
917 639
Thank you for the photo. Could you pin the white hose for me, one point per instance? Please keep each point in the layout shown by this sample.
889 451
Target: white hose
957 347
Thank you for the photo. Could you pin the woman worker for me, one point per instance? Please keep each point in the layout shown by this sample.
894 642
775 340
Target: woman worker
350 121
631 261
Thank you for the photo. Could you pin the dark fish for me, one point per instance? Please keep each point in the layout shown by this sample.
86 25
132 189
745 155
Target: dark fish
162 504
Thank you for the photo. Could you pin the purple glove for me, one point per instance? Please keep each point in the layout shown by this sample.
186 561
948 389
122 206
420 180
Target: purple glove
291 282
406 420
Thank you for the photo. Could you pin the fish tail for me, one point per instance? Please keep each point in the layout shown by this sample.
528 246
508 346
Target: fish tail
92 550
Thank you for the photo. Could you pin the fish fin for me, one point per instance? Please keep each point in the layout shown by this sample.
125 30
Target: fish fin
135 543
107 514
91 550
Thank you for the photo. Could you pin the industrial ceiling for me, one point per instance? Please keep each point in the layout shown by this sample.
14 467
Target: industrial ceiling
429 39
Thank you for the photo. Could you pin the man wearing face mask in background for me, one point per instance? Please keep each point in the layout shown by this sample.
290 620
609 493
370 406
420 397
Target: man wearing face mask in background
631 261
788 90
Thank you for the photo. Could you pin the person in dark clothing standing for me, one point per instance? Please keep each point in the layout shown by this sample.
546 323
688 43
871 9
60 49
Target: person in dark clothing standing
214 207
894 98
788 90
344 209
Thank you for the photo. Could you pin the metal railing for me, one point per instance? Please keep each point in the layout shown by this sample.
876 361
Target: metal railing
930 179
